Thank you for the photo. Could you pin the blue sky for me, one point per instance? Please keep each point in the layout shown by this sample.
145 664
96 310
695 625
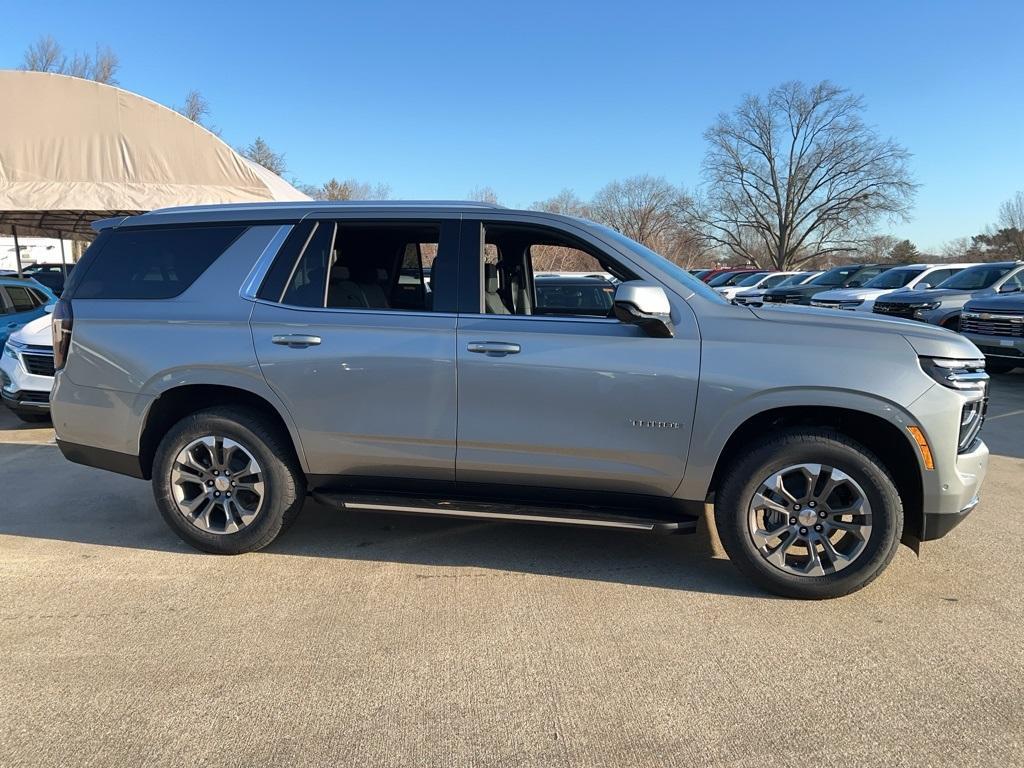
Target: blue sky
437 98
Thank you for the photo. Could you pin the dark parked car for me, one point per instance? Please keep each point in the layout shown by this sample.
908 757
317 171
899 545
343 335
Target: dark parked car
848 276
996 325
726 279
50 275
943 304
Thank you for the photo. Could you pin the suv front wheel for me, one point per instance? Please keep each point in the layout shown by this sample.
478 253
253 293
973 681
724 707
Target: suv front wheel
226 481
809 514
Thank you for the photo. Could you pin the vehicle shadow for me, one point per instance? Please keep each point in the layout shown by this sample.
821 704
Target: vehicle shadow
79 505
692 562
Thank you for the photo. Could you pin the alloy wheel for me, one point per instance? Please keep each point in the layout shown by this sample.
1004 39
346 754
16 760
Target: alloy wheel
809 519
217 484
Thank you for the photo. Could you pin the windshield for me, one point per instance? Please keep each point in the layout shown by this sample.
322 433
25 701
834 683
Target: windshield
974 278
894 278
753 279
835 276
736 278
796 279
774 280
646 256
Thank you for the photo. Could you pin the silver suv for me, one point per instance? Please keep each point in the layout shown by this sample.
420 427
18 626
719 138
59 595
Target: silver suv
242 357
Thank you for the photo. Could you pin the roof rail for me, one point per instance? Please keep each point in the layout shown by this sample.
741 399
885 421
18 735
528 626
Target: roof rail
320 204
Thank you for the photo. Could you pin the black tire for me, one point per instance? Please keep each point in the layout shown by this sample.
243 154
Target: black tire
284 481
999 366
33 418
813 446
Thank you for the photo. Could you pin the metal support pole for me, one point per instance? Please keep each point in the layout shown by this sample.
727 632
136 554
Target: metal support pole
63 259
17 248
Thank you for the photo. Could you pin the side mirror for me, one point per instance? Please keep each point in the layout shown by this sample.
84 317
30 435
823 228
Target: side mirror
923 287
48 309
855 284
644 305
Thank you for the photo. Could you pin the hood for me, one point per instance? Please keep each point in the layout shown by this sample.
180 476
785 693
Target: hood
36 332
851 294
914 297
927 340
1013 302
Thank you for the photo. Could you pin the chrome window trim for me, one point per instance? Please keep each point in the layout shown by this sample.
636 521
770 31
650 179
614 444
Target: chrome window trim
608 320
354 310
252 282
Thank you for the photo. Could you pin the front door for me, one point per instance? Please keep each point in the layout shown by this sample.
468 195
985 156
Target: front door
554 393
360 348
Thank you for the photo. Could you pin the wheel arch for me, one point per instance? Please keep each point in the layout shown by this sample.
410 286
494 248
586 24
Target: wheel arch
892 444
173 404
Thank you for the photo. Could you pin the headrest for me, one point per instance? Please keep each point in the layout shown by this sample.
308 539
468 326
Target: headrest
339 273
491 278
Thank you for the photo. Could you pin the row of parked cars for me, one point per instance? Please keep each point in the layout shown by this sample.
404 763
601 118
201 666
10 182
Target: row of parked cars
984 302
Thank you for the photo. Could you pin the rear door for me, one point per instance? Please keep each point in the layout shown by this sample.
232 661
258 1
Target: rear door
359 350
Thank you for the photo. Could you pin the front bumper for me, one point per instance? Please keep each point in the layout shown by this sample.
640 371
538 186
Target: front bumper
1009 348
23 392
950 490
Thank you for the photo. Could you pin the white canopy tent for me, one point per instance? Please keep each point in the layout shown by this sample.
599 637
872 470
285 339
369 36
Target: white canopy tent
73 151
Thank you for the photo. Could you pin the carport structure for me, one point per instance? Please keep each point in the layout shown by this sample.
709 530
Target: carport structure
73 151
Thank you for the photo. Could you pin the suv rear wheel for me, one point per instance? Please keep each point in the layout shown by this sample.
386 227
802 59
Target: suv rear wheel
226 481
809 514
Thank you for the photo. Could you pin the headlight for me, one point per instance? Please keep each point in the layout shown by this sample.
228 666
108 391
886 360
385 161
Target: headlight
10 351
927 305
965 375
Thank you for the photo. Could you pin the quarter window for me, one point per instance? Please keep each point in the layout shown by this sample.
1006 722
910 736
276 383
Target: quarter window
152 263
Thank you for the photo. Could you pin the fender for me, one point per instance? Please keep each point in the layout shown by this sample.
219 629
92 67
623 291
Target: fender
712 428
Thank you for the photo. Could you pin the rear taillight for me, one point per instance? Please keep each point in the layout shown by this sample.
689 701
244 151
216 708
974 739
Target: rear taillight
63 319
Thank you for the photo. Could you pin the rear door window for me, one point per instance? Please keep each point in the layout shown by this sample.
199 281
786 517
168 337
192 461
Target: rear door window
153 263
22 299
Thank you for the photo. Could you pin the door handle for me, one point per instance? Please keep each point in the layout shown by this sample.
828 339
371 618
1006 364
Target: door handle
296 340
493 348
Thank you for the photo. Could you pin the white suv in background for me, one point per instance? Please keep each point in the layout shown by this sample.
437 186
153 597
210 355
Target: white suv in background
26 370
910 277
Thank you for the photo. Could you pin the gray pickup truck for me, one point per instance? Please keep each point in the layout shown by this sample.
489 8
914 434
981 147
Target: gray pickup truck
244 357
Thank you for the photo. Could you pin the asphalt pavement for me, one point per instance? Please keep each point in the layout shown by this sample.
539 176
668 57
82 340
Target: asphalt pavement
382 640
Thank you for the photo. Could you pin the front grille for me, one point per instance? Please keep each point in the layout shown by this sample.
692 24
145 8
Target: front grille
1000 351
990 324
782 299
38 364
894 309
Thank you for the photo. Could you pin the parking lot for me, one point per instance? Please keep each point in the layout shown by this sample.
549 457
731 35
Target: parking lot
388 640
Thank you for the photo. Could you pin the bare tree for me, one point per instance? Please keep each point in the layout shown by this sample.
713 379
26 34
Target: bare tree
196 108
44 55
566 203
799 173
959 249
351 189
1011 223
652 211
1011 213
483 195
47 55
876 247
260 152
